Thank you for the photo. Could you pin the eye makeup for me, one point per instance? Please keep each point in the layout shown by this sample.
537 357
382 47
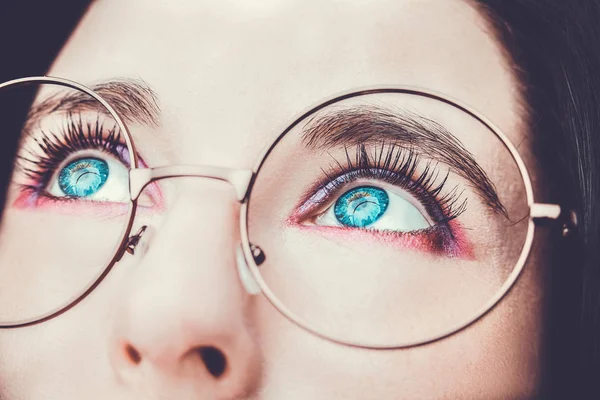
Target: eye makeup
48 155
435 241
69 206
398 167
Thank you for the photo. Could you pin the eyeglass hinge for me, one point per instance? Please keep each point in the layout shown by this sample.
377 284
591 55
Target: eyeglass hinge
133 241
568 218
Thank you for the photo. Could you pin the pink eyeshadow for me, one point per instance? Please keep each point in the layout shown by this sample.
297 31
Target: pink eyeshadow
433 241
28 199
464 248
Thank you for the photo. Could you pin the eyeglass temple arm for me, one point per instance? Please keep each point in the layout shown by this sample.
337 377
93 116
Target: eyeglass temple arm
555 212
541 210
238 178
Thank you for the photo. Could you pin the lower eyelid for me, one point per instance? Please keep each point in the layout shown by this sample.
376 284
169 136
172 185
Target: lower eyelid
82 208
437 240
420 240
30 198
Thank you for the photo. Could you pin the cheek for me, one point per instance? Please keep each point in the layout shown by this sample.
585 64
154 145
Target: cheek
67 356
498 357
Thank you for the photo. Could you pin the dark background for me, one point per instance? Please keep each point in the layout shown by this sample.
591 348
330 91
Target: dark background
32 32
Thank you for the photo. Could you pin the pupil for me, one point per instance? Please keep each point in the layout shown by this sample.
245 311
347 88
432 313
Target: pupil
361 206
83 177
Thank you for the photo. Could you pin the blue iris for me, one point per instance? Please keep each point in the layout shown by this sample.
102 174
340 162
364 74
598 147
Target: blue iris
83 177
361 206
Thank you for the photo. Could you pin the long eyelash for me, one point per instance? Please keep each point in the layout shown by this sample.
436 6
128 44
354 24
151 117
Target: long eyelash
398 166
75 135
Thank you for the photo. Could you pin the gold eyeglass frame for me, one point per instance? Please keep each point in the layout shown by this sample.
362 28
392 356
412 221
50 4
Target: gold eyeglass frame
242 181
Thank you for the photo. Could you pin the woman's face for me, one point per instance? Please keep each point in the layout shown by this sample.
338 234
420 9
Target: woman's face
175 321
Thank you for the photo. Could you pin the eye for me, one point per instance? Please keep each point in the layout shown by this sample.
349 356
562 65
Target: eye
91 178
374 208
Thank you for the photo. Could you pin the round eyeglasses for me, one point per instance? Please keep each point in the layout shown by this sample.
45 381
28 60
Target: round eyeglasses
382 218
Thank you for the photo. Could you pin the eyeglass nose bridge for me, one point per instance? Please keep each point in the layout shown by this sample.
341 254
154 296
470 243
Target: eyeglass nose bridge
240 179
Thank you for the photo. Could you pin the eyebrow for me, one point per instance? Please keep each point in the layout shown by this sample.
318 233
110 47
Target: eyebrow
366 125
132 99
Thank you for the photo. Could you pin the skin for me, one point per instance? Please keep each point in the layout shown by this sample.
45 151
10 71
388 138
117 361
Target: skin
230 76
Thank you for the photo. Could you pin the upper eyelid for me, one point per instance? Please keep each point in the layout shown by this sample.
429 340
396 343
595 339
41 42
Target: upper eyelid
368 125
399 166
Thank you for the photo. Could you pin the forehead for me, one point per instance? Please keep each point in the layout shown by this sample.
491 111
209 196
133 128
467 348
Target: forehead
238 71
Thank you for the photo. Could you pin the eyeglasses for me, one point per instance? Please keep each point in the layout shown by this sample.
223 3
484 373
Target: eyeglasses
383 218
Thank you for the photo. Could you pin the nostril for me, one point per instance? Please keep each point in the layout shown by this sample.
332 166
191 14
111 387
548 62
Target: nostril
132 354
214 360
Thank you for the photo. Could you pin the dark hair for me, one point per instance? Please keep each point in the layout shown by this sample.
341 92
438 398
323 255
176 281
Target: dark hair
553 47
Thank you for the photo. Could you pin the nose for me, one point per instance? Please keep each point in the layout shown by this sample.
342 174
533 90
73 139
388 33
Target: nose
182 316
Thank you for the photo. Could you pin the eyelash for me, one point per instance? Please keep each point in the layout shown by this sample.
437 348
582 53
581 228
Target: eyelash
396 166
74 136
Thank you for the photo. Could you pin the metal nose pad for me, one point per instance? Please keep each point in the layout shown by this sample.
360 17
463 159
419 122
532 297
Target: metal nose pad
245 275
258 254
131 243
135 244
134 240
